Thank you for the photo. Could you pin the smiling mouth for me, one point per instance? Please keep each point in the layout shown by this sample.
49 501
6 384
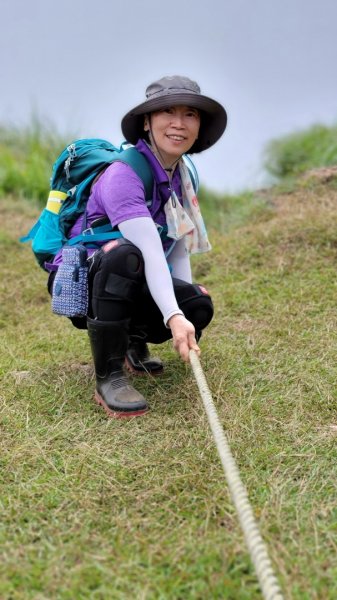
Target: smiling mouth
176 138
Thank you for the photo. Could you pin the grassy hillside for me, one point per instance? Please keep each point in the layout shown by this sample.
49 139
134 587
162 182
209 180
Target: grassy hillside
101 509
298 152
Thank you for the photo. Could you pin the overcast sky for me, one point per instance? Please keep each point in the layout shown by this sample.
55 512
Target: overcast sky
84 63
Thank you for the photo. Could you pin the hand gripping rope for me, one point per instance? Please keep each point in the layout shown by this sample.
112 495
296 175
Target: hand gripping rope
257 548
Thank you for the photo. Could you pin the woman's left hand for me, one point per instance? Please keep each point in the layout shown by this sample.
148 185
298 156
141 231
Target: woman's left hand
183 334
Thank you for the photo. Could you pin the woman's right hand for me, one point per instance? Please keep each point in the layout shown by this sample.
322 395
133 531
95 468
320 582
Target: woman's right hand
183 334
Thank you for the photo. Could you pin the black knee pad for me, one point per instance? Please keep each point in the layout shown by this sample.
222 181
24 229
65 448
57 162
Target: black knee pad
120 257
195 302
116 275
116 263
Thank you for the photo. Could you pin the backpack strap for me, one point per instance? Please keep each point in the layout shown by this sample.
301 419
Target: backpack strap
141 166
101 233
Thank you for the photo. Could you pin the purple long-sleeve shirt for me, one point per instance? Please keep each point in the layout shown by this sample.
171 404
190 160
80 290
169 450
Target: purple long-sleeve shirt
119 194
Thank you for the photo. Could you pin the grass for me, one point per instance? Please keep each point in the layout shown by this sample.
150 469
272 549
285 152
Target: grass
26 157
101 509
223 212
292 155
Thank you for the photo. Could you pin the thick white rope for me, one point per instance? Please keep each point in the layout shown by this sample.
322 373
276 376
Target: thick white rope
257 548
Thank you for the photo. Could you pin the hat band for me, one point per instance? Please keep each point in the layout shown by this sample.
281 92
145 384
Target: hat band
169 91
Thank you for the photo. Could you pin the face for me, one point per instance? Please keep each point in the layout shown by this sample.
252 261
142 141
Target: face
174 130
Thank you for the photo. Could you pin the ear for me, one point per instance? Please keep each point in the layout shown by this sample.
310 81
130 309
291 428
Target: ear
146 123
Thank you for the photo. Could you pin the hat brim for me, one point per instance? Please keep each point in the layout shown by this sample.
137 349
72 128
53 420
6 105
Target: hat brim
212 124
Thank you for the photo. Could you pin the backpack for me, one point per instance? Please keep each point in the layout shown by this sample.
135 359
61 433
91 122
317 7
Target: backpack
72 176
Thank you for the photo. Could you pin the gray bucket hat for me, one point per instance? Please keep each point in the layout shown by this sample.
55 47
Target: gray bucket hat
174 91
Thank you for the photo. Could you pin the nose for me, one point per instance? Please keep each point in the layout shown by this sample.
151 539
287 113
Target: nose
177 121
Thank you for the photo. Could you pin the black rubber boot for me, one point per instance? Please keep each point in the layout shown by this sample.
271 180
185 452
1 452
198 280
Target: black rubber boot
109 342
138 360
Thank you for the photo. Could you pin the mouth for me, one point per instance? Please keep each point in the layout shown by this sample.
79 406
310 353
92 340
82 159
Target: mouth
176 138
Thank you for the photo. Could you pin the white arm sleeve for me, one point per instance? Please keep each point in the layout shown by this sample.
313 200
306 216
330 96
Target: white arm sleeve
180 262
143 233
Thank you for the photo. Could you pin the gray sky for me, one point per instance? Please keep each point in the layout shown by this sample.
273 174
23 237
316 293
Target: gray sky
84 63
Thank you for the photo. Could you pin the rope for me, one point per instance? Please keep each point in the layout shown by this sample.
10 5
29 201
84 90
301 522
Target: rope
257 548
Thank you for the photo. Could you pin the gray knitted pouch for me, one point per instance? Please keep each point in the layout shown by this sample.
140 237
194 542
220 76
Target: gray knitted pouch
70 289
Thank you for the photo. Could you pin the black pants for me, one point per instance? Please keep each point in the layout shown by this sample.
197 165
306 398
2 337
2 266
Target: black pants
118 291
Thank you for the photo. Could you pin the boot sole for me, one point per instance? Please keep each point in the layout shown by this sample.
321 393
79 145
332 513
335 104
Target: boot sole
144 373
118 414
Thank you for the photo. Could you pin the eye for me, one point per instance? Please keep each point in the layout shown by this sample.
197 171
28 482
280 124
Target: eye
192 113
168 110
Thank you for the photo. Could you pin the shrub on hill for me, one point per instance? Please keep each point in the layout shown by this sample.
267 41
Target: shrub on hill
296 153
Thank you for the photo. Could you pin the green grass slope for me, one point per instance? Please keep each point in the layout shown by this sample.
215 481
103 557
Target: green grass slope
101 509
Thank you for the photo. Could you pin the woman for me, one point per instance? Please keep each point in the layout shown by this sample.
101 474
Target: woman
140 285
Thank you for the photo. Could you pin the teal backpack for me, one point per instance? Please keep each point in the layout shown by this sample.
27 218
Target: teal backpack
72 177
